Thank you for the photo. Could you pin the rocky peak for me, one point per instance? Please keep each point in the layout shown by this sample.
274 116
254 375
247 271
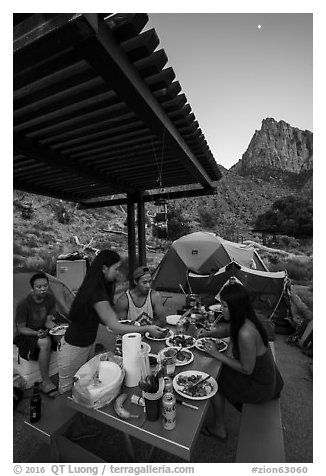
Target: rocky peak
277 145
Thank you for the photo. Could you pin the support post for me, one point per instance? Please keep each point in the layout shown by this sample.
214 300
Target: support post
141 228
131 235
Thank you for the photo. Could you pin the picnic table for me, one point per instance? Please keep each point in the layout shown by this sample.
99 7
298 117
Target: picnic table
179 441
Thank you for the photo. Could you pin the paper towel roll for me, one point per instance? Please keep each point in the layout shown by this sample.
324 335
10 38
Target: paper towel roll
131 344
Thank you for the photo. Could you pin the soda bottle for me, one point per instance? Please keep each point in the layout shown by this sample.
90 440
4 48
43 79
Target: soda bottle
35 405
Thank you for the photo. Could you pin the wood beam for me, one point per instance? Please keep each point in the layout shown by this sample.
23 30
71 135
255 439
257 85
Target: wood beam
108 58
45 155
150 198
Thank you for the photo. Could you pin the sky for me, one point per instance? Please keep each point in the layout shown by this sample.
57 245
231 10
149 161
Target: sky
237 69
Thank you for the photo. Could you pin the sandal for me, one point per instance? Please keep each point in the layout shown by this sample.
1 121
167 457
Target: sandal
50 390
207 432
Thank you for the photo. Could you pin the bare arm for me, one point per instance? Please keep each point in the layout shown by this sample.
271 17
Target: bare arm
221 330
121 307
247 351
109 318
159 311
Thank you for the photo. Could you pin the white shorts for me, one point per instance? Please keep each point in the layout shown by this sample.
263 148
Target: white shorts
70 359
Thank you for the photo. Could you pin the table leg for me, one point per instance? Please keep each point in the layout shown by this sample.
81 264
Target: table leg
151 454
130 448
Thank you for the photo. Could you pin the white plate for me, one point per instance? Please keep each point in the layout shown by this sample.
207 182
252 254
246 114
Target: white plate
148 336
215 307
59 330
173 319
146 347
221 343
178 388
170 342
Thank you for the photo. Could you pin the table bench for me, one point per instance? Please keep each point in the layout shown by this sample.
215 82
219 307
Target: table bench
260 438
55 419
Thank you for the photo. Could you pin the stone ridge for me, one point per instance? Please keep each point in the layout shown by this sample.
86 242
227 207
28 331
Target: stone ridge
278 145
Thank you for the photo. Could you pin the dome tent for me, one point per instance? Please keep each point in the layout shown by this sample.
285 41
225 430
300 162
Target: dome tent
202 253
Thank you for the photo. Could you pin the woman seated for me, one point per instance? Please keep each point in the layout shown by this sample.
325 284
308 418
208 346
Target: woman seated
250 374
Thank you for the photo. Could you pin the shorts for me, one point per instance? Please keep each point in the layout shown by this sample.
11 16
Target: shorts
70 359
28 348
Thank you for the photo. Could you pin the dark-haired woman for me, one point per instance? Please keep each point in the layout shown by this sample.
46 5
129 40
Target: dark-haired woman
92 305
250 375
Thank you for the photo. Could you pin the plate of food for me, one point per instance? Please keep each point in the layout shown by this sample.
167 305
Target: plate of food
182 340
165 333
173 319
129 322
59 330
215 307
184 356
220 343
184 384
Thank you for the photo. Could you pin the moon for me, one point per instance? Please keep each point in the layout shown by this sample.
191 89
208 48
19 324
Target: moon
259 27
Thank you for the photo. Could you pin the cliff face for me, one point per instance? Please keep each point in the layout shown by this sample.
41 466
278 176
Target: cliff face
277 145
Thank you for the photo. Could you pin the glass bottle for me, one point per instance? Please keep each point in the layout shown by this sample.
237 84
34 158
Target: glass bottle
35 404
192 328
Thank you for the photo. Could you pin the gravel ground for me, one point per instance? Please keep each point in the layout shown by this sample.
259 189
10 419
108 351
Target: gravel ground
297 418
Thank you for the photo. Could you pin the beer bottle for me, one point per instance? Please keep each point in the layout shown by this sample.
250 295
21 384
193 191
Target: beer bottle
35 405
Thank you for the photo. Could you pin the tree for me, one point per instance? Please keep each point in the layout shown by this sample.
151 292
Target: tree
292 216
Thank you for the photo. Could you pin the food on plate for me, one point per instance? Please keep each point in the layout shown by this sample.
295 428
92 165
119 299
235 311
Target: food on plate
219 343
119 408
183 355
59 330
188 387
181 341
164 333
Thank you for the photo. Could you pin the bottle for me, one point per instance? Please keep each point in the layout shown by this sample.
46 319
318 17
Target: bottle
168 385
169 411
35 405
192 328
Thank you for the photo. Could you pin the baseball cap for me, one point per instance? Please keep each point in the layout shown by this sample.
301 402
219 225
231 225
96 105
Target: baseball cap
140 271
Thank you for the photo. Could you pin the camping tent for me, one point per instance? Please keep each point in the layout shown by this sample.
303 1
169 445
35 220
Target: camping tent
63 295
270 291
201 252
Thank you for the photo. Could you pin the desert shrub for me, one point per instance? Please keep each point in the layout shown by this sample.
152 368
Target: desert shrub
18 249
299 270
32 242
289 241
178 224
207 217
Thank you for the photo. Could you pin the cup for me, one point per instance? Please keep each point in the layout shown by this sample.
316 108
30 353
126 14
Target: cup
168 358
153 364
153 403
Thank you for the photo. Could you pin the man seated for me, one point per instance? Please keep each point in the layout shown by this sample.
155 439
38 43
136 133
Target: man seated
34 319
141 303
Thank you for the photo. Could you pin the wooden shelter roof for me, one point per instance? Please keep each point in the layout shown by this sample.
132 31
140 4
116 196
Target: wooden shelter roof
97 113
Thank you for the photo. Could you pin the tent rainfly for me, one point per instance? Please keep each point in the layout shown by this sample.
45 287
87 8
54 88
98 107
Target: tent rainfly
203 253
270 291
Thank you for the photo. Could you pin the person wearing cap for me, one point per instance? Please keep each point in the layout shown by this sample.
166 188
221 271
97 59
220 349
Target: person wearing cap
141 303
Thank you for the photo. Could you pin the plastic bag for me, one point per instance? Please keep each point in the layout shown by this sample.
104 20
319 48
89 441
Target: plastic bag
88 391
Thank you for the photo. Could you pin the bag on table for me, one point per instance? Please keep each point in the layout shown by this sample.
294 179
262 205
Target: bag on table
88 390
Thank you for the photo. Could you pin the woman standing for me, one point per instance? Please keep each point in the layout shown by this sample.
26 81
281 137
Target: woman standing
92 305
250 375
